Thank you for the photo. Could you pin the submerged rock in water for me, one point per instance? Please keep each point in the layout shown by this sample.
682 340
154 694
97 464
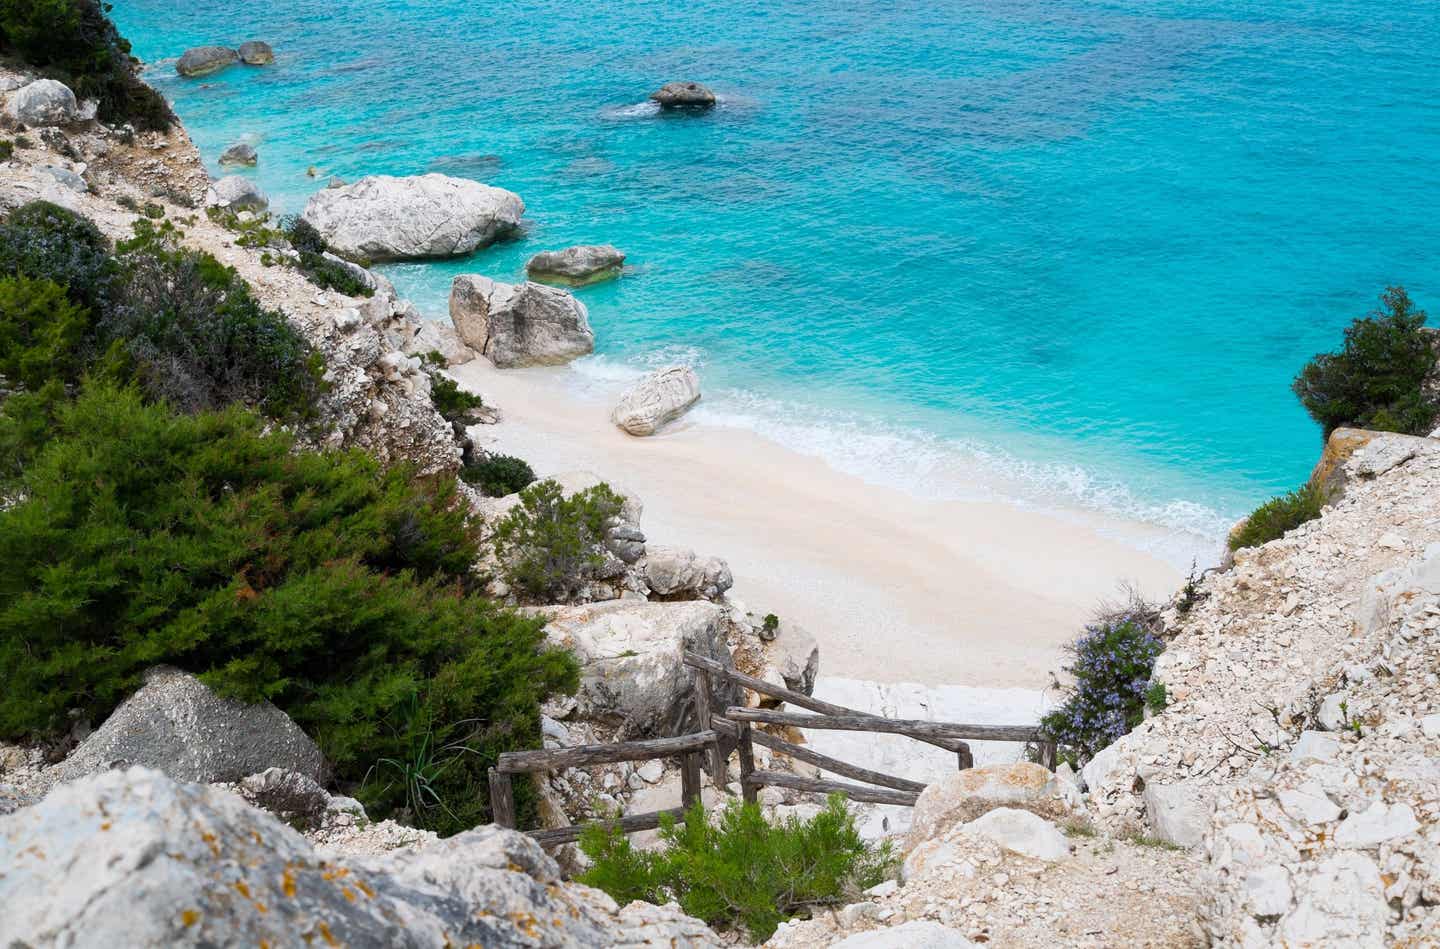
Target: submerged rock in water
683 95
204 60
657 400
381 217
43 103
239 154
586 263
256 53
523 324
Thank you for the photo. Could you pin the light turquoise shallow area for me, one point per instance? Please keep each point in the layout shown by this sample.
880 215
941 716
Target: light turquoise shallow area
1074 250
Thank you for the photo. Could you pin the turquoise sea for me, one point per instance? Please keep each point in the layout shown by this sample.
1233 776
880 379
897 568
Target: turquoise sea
1065 252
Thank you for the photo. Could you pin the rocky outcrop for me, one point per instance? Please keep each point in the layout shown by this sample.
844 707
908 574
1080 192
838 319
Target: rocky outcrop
433 337
237 193
676 572
657 400
683 95
966 795
241 153
381 217
175 724
256 53
134 859
631 653
43 103
204 60
576 266
516 325
1359 454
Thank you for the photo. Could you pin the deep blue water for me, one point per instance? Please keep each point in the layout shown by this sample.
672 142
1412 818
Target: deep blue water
1076 248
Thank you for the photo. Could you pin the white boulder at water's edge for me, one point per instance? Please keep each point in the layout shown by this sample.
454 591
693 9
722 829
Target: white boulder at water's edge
657 400
381 217
519 324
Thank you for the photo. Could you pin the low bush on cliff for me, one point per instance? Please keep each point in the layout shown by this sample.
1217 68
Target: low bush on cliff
335 588
498 475
75 42
1377 379
47 242
741 870
549 542
1112 682
41 332
1278 515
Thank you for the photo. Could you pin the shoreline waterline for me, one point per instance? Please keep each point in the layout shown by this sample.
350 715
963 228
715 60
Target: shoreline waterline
895 588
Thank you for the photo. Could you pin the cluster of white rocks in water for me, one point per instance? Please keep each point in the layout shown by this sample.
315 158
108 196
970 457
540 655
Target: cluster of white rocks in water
1289 794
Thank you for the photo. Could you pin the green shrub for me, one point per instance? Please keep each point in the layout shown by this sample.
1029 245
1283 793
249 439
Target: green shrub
42 333
47 242
302 235
452 402
7 149
75 41
741 871
549 541
331 275
335 588
1278 515
1377 379
197 336
1112 684
498 475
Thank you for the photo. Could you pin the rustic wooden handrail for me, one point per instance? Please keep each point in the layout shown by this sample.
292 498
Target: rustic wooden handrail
834 764
913 728
552 759
855 792
630 825
798 698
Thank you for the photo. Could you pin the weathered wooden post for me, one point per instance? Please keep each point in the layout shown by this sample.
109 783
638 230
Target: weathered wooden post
704 703
690 778
963 755
1049 754
502 799
748 791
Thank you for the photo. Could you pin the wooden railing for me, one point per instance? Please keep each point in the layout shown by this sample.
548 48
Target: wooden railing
733 728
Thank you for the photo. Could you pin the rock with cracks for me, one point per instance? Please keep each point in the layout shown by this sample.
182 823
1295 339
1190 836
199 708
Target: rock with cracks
524 324
657 400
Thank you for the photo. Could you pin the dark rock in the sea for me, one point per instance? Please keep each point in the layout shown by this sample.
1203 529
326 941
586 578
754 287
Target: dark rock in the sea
203 60
256 53
239 154
683 95
588 263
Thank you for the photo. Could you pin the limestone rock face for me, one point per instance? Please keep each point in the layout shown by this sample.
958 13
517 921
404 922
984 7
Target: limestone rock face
204 60
587 263
434 337
1179 813
240 153
657 400
962 797
43 103
1021 832
683 95
677 572
1352 453
631 658
134 859
256 53
381 217
236 193
176 725
515 325
916 934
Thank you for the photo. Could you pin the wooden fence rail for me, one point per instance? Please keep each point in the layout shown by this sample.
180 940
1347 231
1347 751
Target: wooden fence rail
733 728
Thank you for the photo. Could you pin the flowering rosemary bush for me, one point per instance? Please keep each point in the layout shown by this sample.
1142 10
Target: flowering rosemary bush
1113 662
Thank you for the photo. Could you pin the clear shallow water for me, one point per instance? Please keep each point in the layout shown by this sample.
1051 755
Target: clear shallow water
1074 251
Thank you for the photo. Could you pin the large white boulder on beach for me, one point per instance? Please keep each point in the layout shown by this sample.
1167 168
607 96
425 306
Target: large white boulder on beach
44 102
381 217
133 858
519 324
657 400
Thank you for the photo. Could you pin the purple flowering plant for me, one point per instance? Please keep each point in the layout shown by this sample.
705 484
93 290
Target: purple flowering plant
1112 666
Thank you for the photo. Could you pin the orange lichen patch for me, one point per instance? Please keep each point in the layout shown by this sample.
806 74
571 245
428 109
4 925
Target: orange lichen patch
329 938
348 893
189 917
514 867
105 825
365 888
261 907
526 923
287 882
211 842
255 834
335 874
242 889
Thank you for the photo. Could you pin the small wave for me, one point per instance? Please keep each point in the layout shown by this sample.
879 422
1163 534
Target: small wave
636 110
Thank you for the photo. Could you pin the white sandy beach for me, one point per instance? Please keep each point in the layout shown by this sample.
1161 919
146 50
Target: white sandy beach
894 587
